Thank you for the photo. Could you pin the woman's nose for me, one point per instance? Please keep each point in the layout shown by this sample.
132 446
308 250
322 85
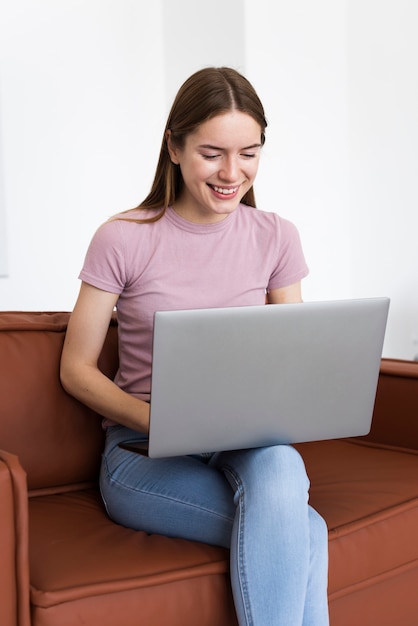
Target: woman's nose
229 169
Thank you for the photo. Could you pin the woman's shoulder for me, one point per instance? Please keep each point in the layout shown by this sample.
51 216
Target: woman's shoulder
127 221
136 216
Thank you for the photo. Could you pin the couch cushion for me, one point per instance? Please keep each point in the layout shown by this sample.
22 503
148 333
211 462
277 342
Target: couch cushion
368 495
82 564
58 440
396 402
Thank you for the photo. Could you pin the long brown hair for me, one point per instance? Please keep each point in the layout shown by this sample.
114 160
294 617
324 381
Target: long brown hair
207 93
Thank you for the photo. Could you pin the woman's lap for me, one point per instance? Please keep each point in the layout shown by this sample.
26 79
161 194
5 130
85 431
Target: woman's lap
191 497
178 496
252 501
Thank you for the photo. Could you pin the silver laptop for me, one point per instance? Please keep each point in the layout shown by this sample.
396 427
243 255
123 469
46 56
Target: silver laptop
241 377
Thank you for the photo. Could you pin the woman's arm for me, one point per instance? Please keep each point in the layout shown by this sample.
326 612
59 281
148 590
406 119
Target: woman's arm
80 375
285 295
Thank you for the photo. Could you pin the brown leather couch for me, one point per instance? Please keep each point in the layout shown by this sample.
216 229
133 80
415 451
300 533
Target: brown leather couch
63 562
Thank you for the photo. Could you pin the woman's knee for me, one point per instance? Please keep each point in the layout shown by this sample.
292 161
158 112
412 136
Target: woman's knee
268 469
285 468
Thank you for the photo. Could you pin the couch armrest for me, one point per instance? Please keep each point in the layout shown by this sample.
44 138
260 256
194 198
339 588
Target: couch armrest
395 417
14 569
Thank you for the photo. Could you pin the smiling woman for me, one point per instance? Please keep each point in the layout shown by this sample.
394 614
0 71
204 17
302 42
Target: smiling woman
209 95
197 241
218 163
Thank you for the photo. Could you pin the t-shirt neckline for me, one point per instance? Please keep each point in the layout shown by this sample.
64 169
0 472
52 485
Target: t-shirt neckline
193 227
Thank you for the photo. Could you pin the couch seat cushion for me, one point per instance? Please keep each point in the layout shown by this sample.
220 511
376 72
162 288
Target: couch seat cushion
77 555
84 567
368 495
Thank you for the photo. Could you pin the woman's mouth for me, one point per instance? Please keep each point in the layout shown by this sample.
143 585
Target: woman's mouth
224 191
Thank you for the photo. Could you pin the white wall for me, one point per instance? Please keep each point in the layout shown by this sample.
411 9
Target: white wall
85 86
340 84
298 61
3 238
82 108
198 34
383 157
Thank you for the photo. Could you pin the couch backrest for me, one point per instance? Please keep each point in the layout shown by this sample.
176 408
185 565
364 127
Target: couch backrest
395 418
57 439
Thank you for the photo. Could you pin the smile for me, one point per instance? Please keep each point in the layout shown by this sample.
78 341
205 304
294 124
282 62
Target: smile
224 190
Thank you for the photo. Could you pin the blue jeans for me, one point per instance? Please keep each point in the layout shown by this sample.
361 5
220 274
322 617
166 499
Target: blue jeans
254 502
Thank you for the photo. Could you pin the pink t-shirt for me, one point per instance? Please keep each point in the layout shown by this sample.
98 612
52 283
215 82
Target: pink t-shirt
176 264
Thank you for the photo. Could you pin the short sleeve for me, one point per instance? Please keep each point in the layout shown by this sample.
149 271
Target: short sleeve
104 264
291 264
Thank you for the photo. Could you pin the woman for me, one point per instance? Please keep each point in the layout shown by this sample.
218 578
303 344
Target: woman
198 241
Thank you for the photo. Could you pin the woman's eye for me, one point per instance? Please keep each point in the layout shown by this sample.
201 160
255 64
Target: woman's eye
248 155
210 157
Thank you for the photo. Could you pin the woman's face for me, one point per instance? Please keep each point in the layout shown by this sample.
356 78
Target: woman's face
218 163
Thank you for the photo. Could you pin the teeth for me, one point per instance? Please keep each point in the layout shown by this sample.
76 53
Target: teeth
225 192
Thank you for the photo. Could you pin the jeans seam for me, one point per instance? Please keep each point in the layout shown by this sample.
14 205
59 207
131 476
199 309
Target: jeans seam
241 561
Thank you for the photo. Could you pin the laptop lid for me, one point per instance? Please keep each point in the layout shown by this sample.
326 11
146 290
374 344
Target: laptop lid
240 377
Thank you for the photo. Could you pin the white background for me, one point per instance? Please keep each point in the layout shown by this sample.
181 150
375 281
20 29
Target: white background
85 88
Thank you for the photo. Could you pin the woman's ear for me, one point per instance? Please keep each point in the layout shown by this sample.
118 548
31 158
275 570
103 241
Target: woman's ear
172 151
